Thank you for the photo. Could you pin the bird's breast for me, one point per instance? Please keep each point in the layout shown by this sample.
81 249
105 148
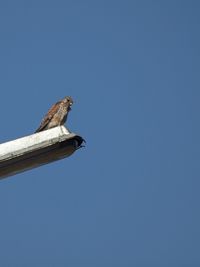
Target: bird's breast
60 114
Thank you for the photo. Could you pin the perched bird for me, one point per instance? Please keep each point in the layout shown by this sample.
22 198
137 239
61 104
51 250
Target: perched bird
57 114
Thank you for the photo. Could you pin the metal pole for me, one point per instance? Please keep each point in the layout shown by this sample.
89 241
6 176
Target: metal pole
37 149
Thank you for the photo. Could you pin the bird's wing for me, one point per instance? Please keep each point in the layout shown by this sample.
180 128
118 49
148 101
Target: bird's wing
48 116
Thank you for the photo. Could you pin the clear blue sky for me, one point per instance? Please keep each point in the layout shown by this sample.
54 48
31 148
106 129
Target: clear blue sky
131 197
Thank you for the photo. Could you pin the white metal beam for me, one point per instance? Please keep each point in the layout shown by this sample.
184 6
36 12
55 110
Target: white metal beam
37 149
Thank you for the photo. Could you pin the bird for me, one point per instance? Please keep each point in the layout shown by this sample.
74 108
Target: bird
57 114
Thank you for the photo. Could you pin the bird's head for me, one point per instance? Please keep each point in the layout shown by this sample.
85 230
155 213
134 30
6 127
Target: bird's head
69 101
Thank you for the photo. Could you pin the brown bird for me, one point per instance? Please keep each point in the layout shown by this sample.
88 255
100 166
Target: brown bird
57 114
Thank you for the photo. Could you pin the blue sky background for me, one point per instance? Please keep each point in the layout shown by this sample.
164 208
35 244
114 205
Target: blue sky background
131 197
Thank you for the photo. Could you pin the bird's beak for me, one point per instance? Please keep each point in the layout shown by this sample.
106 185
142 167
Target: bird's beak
69 107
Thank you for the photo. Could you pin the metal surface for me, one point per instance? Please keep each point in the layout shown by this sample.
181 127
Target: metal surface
37 149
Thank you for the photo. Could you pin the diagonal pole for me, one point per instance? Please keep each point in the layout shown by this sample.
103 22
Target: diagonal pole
37 149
